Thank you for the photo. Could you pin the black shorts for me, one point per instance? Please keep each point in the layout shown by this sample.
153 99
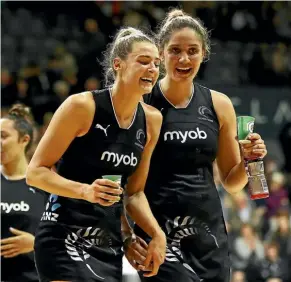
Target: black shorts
77 254
170 272
176 271
196 251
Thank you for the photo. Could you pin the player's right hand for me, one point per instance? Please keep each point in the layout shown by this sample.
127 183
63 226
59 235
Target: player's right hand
102 191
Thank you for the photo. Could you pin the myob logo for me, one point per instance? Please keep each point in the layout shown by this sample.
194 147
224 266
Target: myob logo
192 134
22 206
118 159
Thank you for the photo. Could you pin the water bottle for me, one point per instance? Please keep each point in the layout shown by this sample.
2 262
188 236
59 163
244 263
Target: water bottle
257 184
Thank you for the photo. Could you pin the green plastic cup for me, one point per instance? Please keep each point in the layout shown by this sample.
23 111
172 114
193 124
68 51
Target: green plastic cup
245 126
112 177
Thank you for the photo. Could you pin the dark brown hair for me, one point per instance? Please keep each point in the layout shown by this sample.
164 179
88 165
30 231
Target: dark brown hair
23 121
177 19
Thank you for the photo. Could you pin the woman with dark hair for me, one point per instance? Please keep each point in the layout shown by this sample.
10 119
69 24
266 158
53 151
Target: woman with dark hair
21 205
199 127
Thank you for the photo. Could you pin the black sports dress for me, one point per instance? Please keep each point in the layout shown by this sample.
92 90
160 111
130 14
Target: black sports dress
78 240
21 208
182 194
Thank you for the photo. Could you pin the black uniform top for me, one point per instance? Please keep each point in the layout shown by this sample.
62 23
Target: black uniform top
106 149
180 186
21 208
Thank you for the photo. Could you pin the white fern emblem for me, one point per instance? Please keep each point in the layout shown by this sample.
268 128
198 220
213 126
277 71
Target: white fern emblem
77 243
180 228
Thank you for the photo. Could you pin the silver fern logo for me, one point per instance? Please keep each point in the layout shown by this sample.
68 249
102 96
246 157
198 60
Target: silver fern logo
204 111
51 207
181 228
140 137
78 243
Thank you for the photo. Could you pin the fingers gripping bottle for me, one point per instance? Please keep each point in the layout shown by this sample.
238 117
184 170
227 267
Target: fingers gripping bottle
257 185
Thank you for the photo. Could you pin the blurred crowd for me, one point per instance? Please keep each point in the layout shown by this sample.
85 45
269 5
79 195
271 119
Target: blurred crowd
260 231
51 50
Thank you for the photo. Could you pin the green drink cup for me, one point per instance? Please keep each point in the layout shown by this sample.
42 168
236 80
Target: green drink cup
113 177
257 184
245 126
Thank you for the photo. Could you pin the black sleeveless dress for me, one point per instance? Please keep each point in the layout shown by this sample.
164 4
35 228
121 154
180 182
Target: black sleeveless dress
77 240
21 208
182 194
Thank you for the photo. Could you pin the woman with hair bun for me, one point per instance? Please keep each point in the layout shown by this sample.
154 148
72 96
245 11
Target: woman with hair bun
21 205
199 126
93 135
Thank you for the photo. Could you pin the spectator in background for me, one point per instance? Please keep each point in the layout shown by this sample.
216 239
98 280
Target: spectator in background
238 276
62 90
271 166
247 247
282 234
273 266
71 78
278 195
21 205
92 83
241 210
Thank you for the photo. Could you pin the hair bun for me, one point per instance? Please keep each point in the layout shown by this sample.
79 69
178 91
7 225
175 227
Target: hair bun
20 111
124 32
175 13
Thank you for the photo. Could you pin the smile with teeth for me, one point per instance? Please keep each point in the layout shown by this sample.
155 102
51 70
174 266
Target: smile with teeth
145 79
183 70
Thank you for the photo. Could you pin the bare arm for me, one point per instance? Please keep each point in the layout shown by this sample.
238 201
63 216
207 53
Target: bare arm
126 230
230 163
136 203
72 119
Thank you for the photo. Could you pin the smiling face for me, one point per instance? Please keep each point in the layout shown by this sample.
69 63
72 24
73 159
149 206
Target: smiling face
183 54
140 69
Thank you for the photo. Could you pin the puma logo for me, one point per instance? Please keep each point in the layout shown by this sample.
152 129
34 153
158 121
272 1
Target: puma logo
99 126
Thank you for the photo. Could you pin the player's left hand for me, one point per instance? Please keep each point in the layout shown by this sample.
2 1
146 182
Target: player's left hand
20 244
253 149
155 255
135 250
